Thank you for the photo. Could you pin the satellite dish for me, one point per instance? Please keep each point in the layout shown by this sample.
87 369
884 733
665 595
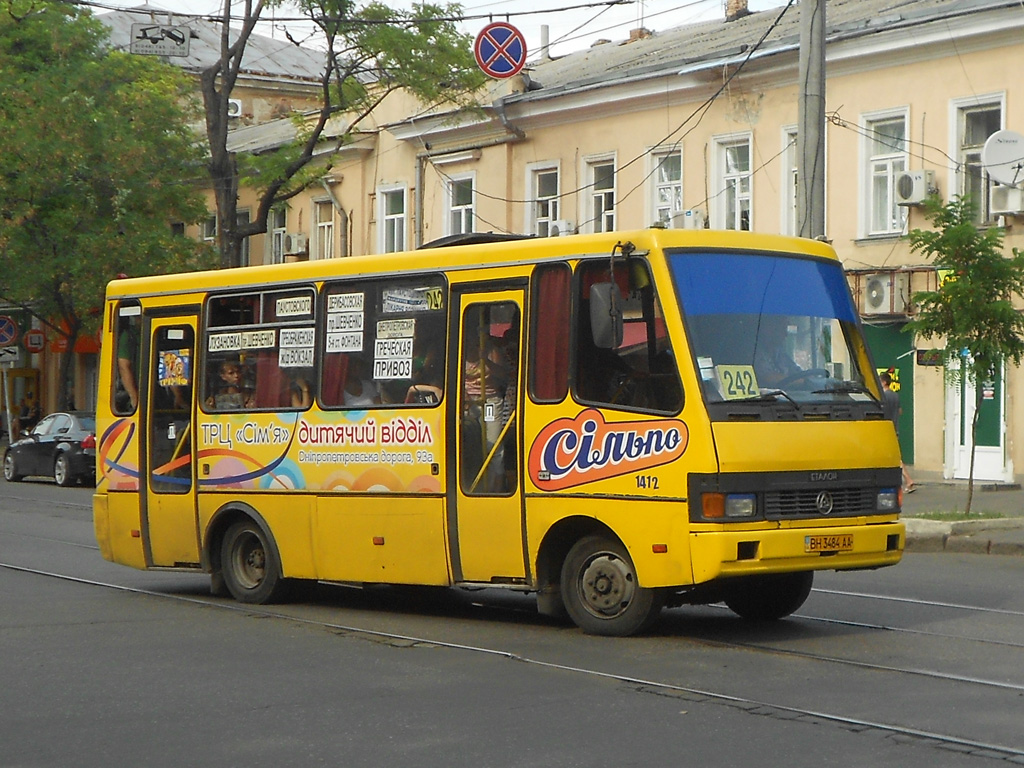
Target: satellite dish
1003 157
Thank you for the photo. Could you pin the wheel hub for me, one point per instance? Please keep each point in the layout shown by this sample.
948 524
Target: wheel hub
607 585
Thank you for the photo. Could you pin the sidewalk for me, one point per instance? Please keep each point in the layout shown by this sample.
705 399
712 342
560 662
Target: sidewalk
1001 536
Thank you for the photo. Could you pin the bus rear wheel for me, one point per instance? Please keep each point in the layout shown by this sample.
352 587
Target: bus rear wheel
249 564
769 597
600 589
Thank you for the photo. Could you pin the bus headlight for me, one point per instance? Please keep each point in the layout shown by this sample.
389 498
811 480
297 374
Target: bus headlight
740 505
715 506
888 499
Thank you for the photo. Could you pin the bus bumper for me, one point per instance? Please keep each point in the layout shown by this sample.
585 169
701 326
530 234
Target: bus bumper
724 553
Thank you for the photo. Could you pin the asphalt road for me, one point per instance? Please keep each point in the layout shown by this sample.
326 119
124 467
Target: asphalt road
917 665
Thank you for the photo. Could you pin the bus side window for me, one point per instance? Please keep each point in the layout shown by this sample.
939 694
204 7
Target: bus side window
549 348
128 343
641 374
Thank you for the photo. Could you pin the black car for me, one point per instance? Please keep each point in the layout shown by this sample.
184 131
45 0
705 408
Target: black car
62 445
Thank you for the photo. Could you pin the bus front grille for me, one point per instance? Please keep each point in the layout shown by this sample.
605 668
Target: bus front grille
808 503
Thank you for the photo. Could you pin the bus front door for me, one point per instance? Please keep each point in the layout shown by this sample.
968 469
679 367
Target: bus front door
169 510
485 518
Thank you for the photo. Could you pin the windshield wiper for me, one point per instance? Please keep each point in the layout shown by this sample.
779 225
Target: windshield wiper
844 387
766 395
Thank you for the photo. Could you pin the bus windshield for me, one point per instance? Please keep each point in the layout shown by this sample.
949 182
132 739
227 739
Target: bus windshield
772 328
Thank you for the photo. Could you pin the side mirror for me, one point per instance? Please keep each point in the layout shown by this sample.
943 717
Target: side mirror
605 316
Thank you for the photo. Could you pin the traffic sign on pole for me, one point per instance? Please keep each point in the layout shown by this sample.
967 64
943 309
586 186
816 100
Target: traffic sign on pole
8 331
500 50
34 340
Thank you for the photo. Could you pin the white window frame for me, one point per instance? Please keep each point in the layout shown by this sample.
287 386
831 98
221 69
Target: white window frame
209 229
391 224
323 245
729 192
660 186
277 222
463 214
542 211
878 165
599 204
959 108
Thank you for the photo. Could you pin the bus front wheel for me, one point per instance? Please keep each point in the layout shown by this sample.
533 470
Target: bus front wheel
769 597
600 589
250 566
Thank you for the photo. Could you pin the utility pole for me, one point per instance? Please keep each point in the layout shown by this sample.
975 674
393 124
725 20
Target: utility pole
810 141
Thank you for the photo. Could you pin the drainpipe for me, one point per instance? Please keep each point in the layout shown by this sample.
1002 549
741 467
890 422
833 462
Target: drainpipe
342 214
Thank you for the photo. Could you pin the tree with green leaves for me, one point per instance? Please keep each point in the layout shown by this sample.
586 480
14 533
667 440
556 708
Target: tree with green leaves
370 52
98 162
972 308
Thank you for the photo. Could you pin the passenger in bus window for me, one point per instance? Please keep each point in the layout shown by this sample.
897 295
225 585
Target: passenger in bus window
301 397
127 364
773 364
428 377
230 393
360 389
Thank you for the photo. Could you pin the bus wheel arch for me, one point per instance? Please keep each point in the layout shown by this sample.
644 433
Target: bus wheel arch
242 556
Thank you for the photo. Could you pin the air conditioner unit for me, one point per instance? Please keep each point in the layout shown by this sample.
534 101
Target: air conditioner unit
691 219
294 242
234 107
560 228
885 293
912 187
1005 201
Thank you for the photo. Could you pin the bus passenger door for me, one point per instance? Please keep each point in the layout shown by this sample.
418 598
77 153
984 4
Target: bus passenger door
169 514
485 498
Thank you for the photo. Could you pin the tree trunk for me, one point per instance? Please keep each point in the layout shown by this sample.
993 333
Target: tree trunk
64 394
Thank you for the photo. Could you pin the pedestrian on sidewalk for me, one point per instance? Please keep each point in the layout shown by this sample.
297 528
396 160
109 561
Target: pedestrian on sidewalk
892 410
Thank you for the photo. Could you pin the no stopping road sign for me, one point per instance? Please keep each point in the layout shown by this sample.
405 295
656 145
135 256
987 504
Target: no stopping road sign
500 50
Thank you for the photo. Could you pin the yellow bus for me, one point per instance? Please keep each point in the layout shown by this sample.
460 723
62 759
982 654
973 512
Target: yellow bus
616 422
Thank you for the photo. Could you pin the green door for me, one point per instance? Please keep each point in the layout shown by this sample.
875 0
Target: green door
892 348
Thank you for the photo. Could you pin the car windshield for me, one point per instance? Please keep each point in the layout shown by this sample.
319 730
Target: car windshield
772 327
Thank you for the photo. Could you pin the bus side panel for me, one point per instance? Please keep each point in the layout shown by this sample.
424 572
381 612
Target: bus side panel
641 525
117 527
289 517
383 538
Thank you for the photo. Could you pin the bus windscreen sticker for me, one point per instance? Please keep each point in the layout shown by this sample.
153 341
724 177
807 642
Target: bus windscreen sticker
174 368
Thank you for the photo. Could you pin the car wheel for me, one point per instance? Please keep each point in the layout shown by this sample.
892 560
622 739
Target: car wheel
249 564
10 470
62 472
600 590
768 597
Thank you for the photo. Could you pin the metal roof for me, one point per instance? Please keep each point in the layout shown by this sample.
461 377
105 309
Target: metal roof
264 56
705 44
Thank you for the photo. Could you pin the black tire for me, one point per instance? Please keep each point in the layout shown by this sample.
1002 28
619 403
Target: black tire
769 597
600 589
62 471
250 566
10 469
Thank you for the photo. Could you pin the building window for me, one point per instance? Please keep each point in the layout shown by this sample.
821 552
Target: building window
545 206
732 207
790 164
668 185
242 219
460 206
975 123
392 218
210 230
886 139
601 181
278 227
323 214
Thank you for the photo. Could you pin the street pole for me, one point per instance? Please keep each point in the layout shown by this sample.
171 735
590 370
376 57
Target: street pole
810 185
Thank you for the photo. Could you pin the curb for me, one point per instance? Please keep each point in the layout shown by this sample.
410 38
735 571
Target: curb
962 536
